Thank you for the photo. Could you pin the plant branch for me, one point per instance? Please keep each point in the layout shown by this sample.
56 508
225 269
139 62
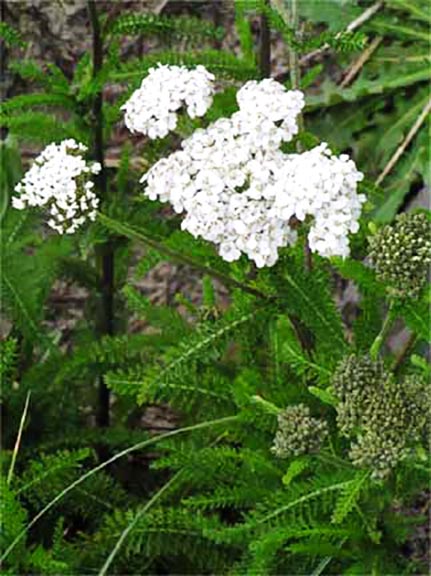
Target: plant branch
105 252
295 84
294 71
401 149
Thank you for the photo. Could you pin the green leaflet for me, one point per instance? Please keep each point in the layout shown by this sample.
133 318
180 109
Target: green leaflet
218 62
23 101
181 27
296 467
40 127
308 296
349 498
172 371
292 353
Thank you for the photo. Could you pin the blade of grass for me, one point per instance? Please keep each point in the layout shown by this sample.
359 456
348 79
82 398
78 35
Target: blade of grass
132 524
18 438
354 70
78 481
401 149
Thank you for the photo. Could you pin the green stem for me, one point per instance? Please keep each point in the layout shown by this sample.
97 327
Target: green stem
125 452
267 406
104 252
381 336
295 84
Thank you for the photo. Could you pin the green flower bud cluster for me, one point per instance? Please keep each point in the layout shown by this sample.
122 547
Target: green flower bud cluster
353 383
382 416
418 388
298 432
401 254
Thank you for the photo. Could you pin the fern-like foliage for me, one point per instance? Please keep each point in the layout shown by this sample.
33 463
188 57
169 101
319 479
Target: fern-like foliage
194 29
218 62
176 374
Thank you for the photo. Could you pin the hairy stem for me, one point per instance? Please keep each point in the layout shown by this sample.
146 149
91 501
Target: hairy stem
295 84
3 73
294 71
104 252
381 336
265 46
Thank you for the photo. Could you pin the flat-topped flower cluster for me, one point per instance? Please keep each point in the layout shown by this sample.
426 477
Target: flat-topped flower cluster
241 192
60 179
236 186
152 109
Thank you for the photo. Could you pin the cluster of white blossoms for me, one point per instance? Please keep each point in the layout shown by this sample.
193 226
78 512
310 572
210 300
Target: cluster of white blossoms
316 183
152 109
268 102
60 180
241 192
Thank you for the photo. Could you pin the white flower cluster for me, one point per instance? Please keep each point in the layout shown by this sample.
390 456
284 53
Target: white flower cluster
240 191
318 184
267 102
59 180
152 109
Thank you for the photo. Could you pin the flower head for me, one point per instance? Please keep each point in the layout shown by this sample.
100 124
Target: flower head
383 417
270 100
240 191
60 179
152 109
298 432
401 253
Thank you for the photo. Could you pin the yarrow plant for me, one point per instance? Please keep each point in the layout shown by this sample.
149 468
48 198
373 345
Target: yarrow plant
152 109
300 432
241 192
60 179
